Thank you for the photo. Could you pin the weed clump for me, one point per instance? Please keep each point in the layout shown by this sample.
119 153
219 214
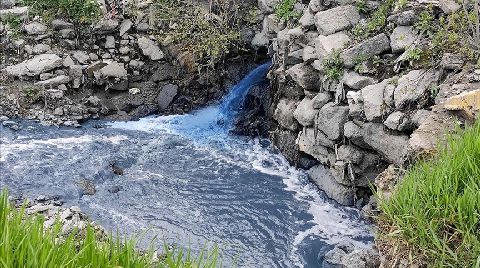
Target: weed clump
77 11
285 11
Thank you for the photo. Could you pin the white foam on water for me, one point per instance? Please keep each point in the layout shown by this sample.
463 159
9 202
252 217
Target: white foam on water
61 143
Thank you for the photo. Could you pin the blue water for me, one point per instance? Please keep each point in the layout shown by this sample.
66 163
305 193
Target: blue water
188 181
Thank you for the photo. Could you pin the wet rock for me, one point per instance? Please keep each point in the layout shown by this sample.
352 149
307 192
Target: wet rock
351 257
284 114
331 120
371 47
414 88
52 82
324 179
305 76
355 81
35 66
285 141
61 25
402 38
150 48
305 113
166 96
336 19
35 28
392 147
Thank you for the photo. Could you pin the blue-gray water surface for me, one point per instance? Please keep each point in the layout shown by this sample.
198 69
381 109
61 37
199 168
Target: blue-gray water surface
186 179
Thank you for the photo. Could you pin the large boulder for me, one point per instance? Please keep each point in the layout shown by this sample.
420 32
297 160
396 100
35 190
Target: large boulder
354 133
305 112
106 26
305 76
166 96
331 120
315 143
150 48
35 66
392 147
324 179
35 28
284 114
336 19
468 103
371 47
414 88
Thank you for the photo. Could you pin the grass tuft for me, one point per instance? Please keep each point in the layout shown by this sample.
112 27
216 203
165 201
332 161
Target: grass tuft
435 211
25 243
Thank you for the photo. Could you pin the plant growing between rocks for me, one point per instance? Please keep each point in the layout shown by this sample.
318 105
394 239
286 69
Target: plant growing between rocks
285 11
78 11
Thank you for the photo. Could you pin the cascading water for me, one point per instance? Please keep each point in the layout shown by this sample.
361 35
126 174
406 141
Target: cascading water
187 180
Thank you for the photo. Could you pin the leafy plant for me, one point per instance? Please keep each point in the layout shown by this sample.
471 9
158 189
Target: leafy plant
285 11
24 242
425 24
14 23
435 210
78 11
207 35
375 24
414 54
333 66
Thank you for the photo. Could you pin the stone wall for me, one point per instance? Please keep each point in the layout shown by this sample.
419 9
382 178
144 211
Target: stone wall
63 73
346 131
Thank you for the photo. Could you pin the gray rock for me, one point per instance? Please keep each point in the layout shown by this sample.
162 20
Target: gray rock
143 27
336 19
452 61
331 120
106 26
61 25
110 42
284 114
67 33
405 18
373 103
371 47
166 96
68 61
114 70
321 99
324 45
311 142
402 38
324 179
355 103
15 11
81 56
414 88
355 134
362 258
40 49
449 6
150 48
52 82
315 5
392 147
35 66
125 26
398 121
260 40
272 25
305 113
355 81
6 4
294 57
419 117
35 28
307 19
266 6
45 76
305 76
309 54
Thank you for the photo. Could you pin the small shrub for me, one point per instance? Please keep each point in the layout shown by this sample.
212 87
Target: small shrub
333 66
375 24
78 11
14 23
285 11
425 24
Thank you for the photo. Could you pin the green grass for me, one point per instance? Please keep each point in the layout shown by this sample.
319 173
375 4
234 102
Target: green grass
435 210
25 243
78 11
